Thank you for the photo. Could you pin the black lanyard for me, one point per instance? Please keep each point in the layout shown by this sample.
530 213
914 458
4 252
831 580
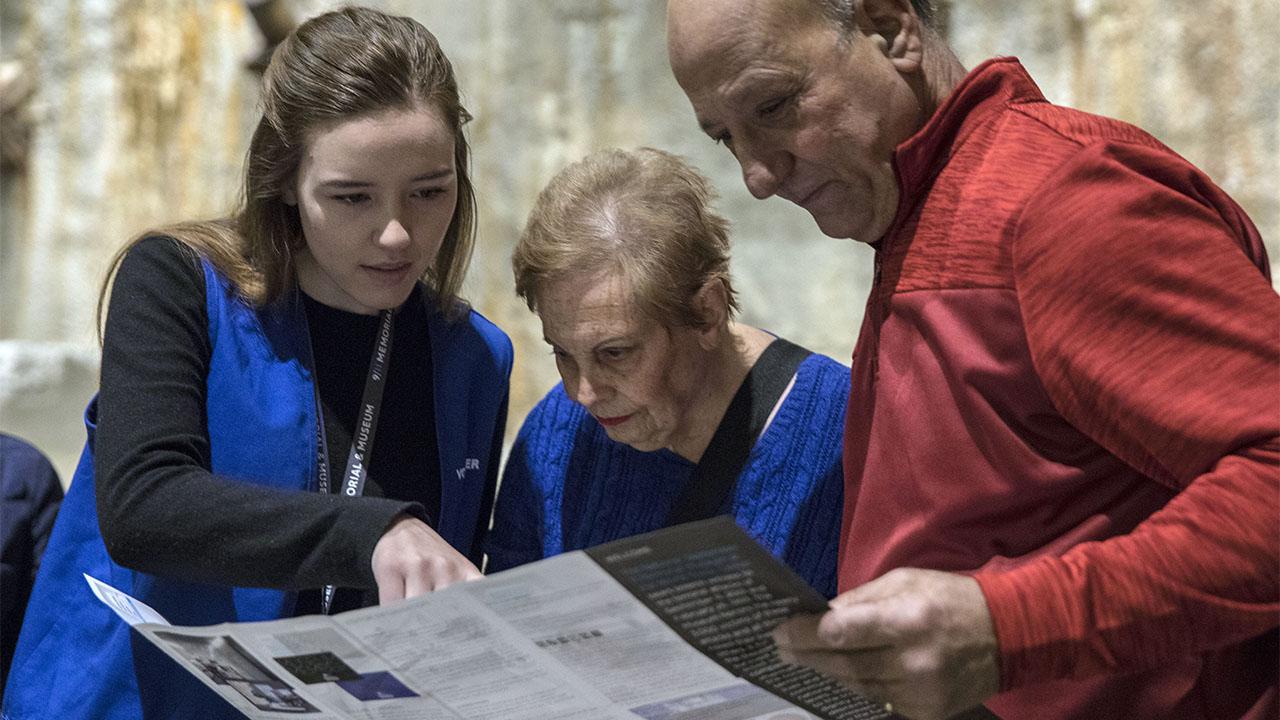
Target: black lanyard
362 439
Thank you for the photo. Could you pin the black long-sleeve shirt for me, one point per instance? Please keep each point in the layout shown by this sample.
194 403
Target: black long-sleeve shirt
161 509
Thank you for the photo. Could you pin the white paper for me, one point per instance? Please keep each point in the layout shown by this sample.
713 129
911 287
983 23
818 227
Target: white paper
560 638
130 609
580 616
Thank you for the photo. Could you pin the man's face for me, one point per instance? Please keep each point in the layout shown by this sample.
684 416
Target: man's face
812 114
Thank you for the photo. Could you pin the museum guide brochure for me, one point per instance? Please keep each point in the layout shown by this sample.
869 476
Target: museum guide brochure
672 625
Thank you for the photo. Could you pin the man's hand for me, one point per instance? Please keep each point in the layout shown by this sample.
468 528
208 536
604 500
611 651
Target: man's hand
411 559
918 640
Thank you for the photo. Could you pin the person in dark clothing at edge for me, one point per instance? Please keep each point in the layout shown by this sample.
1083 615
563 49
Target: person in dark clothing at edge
30 493
1062 448
297 413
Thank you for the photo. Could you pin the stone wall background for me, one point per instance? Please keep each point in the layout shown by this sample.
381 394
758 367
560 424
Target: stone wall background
142 111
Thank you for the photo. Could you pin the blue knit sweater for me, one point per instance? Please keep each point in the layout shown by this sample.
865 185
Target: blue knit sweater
567 486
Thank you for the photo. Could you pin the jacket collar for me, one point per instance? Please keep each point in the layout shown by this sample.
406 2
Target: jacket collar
980 97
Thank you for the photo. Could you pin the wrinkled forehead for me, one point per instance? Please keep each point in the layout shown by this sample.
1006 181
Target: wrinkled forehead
703 34
711 42
565 294
581 308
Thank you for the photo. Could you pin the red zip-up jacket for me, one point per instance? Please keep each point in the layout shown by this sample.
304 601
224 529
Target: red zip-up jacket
1068 384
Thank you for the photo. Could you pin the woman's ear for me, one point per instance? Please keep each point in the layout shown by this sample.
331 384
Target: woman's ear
289 195
711 307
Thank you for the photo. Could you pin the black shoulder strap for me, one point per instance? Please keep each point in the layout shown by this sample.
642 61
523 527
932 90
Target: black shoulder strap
717 473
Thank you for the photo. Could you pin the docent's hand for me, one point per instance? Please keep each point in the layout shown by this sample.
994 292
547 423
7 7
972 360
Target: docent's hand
919 640
411 559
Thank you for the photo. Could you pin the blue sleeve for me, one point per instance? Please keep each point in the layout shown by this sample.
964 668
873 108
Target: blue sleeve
527 517
828 510
814 544
516 535
829 500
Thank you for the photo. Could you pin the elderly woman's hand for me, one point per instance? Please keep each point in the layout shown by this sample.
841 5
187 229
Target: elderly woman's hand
919 640
411 559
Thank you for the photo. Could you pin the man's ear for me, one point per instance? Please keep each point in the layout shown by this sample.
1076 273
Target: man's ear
896 29
711 306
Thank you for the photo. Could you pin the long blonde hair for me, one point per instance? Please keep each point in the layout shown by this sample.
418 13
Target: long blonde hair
337 66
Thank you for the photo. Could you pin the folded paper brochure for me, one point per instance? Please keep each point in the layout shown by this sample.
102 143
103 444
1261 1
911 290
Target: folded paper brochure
671 625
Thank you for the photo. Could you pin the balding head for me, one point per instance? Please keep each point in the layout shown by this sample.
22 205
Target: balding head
697 26
685 16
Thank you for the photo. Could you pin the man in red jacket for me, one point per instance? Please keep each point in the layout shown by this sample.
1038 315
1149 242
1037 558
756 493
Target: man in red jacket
1063 437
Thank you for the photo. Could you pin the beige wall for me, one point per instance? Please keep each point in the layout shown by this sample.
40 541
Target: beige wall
144 107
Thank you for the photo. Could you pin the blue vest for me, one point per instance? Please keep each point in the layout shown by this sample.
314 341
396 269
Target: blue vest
76 659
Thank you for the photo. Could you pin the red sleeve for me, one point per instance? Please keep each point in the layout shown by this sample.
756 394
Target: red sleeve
1156 333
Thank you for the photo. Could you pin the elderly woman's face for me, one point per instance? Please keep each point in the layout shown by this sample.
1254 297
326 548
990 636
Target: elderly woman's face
634 375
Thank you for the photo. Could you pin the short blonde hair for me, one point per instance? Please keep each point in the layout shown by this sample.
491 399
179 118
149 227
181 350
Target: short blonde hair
644 214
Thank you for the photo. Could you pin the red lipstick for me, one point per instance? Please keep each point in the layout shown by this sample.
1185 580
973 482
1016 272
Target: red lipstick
612 421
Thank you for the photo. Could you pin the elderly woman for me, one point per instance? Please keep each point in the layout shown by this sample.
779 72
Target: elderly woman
669 410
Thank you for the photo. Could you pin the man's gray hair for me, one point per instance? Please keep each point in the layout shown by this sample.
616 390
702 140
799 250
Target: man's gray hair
840 12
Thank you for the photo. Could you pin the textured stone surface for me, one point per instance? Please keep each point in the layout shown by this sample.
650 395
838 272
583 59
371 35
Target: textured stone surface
142 117
144 109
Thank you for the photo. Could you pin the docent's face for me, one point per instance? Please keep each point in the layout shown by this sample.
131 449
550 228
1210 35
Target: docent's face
375 195
636 376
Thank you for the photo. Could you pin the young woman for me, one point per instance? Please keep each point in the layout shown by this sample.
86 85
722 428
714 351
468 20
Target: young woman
297 412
